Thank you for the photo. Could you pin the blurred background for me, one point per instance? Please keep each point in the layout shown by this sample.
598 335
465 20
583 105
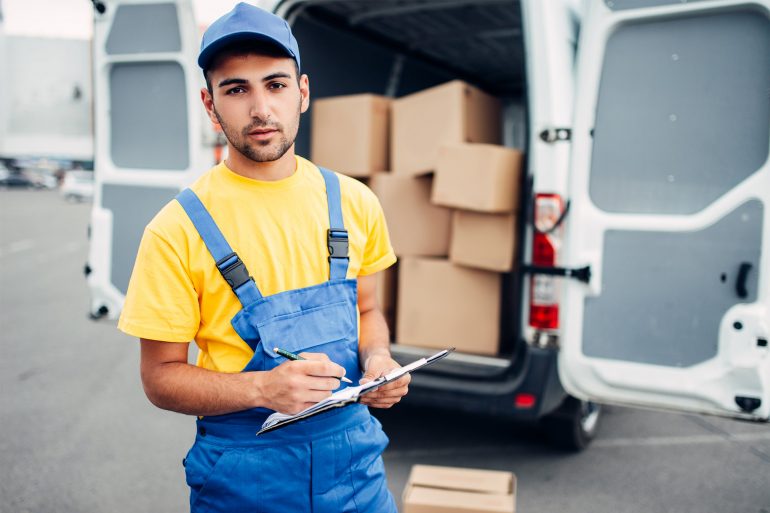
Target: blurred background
577 192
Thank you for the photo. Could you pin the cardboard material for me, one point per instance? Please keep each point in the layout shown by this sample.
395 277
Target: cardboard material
387 283
442 305
480 177
416 226
483 241
350 134
432 489
422 122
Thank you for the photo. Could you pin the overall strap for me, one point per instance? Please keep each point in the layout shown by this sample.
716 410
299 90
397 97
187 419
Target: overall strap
337 236
227 261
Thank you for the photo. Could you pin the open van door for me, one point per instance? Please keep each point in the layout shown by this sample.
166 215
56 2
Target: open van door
670 208
148 142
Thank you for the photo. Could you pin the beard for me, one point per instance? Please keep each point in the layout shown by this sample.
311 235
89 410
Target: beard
261 151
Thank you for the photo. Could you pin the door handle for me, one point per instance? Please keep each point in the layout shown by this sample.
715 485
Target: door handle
740 282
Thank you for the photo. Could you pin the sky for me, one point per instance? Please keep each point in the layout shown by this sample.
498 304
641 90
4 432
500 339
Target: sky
73 18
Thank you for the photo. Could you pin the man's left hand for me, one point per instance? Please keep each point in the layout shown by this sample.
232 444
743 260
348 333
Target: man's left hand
386 396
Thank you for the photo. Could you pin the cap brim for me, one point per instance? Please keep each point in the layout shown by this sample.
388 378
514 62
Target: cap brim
209 53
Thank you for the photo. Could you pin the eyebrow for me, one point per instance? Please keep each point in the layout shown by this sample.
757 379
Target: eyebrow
230 81
243 81
279 74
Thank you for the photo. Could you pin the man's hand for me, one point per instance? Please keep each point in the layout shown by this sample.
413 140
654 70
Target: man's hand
294 385
386 396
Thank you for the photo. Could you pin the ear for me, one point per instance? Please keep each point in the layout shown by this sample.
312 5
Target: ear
304 91
208 104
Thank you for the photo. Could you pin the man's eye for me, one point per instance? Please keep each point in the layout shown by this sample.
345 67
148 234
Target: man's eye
235 90
276 85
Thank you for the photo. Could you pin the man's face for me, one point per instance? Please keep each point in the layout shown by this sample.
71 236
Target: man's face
257 100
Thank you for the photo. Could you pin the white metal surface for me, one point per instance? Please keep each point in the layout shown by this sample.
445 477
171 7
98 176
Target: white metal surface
740 366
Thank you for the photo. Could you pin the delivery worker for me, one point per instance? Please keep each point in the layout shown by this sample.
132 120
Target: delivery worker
266 251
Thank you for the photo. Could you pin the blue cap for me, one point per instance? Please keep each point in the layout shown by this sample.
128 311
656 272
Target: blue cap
246 22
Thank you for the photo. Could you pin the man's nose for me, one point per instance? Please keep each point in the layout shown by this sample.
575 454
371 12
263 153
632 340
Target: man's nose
260 107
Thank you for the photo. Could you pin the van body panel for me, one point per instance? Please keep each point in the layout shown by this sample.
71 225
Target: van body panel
669 188
152 137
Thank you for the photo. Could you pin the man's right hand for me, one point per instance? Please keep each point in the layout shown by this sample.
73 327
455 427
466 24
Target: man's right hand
295 385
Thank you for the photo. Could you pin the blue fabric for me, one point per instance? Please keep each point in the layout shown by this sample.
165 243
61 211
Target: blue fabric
338 267
329 463
247 22
215 242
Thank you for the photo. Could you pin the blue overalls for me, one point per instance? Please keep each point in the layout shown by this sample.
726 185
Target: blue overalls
328 463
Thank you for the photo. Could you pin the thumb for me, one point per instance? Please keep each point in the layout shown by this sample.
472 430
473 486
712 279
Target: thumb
369 373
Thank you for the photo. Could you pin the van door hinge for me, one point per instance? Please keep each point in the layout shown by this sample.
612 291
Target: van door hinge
551 135
582 274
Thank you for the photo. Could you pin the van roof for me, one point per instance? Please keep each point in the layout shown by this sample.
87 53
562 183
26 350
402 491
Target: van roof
479 41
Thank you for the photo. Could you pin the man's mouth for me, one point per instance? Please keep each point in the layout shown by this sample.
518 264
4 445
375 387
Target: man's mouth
263 133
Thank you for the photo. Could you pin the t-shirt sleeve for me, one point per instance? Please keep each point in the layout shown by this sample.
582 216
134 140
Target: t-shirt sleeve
161 301
378 252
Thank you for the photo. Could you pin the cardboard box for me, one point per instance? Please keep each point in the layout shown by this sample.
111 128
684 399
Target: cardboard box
432 489
387 285
350 134
483 241
416 226
442 305
480 177
422 122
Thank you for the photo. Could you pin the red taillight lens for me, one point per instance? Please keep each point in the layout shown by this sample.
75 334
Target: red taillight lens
524 401
543 290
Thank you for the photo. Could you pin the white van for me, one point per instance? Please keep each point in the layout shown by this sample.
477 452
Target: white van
646 124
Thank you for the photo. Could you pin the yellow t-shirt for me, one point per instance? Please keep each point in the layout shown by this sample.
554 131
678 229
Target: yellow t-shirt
278 228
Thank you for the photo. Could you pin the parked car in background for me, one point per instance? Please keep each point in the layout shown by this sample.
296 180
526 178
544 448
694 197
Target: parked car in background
78 186
15 179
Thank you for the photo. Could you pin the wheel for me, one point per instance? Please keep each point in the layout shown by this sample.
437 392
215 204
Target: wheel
573 425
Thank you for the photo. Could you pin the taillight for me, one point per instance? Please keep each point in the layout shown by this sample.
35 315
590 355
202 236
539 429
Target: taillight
543 289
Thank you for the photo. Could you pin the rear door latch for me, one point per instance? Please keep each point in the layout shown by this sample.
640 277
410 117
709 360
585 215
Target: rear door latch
582 274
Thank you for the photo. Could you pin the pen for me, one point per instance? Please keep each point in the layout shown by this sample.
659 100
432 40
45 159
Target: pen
292 356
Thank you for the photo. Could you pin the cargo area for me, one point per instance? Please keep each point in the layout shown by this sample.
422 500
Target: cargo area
430 64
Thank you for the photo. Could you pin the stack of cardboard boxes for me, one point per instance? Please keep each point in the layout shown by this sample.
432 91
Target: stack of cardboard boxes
450 196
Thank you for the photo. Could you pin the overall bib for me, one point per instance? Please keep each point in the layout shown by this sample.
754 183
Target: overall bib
327 463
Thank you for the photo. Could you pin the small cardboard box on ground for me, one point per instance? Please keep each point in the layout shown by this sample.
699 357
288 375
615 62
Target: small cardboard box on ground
416 226
432 489
350 134
483 241
441 305
454 112
480 177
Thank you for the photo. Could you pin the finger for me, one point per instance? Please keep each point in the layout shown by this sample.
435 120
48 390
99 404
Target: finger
382 404
401 383
323 368
322 383
315 356
401 392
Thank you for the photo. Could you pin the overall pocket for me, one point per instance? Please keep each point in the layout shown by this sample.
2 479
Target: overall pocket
322 329
208 471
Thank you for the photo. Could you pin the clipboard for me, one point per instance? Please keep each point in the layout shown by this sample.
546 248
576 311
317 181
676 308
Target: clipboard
348 395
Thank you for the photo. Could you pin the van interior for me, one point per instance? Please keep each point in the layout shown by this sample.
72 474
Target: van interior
396 47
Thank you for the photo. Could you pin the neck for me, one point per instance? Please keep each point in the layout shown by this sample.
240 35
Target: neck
272 171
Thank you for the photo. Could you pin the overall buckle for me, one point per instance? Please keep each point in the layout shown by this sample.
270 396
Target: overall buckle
337 241
235 273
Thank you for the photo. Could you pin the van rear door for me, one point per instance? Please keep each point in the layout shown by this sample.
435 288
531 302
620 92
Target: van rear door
670 207
149 140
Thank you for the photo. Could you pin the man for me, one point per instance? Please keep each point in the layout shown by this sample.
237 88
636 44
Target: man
266 251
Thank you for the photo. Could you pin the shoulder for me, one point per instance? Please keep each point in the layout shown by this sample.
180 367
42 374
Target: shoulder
356 191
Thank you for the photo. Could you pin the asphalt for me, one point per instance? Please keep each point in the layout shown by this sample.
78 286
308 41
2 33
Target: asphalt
78 434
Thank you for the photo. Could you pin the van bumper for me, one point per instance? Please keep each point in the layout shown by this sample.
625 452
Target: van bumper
531 371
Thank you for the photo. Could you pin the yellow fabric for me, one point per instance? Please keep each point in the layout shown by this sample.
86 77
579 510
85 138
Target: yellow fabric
176 293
